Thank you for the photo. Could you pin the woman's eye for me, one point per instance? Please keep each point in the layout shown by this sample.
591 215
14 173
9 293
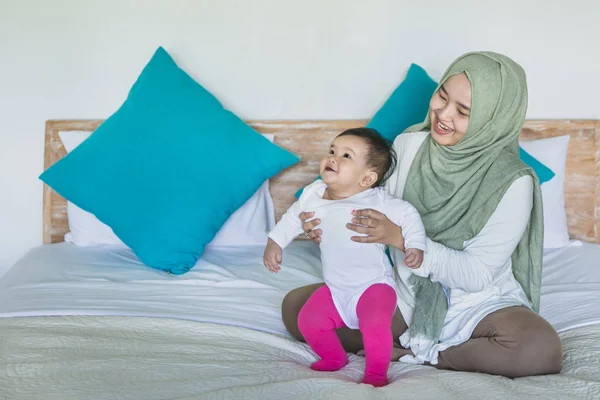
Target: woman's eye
443 98
462 113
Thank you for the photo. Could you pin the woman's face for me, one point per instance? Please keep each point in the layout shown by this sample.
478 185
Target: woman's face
449 109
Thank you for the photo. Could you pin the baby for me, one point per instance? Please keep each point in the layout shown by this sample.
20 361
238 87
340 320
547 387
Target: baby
359 290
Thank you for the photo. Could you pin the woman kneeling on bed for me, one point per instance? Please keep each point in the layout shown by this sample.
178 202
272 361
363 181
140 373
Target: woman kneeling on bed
470 305
360 286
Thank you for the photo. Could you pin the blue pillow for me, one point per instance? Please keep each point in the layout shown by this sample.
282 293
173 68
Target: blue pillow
168 168
408 105
544 173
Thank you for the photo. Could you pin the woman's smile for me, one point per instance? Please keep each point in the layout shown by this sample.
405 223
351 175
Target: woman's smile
440 128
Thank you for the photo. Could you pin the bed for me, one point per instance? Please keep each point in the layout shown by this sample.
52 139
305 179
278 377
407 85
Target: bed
94 322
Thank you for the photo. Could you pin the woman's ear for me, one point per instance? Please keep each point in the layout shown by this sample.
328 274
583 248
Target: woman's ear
369 179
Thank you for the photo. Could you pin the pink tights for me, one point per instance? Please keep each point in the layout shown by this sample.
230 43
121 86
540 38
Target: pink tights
319 319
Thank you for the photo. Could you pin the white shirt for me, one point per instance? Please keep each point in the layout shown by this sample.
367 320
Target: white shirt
479 278
349 267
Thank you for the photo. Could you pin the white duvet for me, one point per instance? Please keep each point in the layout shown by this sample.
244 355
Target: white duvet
216 332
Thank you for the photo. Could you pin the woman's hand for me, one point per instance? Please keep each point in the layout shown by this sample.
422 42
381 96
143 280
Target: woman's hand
377 227
309 226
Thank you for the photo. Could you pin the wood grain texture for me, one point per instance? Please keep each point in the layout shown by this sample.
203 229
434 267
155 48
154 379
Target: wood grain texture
311 139
582 177
56 223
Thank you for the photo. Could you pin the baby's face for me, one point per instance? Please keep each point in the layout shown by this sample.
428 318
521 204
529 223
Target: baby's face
345 165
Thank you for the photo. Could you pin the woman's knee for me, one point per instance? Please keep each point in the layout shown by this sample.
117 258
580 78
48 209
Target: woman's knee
537 346
554 353
540 349
513 342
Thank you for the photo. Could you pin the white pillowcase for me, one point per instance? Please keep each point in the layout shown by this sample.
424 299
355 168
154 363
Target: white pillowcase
250 224
552 152
247 226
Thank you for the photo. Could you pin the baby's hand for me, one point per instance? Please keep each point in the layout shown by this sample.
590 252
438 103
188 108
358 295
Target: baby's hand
272 257
413 258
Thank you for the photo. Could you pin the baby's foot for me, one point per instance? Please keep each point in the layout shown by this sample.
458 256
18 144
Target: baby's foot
376 380
330 364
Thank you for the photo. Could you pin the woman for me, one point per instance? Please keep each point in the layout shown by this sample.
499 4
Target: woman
481 207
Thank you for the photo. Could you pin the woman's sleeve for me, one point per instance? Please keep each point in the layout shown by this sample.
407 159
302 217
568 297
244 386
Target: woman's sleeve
483 256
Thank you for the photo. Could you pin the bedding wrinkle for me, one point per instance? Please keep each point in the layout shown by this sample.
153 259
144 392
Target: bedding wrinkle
109 281
84 357
229 341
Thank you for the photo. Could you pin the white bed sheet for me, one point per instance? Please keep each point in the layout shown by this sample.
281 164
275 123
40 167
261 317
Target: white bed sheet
230 285
571 286
227 285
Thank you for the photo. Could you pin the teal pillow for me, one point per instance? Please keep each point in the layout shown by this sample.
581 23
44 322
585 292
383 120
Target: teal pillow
168 168
408 105
544 173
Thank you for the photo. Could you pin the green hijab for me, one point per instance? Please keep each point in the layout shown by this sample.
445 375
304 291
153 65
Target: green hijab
457 188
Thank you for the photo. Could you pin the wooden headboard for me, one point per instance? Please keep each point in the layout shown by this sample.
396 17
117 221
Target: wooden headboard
311 139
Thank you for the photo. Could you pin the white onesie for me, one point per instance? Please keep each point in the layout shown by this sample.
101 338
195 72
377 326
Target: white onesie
350 268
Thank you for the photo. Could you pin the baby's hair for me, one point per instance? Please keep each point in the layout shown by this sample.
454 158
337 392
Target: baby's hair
380 154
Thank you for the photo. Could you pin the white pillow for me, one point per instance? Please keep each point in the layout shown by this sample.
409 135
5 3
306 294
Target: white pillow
249 225
552 152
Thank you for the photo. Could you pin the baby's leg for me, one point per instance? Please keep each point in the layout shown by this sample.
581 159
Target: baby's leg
375 310
317 321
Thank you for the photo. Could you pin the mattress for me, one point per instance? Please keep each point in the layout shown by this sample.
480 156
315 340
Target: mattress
122 330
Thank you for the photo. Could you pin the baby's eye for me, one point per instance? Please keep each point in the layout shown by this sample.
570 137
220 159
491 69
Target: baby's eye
330 151
346 155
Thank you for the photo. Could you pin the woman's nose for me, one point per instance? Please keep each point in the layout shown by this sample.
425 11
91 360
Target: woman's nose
444 113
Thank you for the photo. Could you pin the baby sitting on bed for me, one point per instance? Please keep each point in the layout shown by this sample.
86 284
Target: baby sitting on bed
359 290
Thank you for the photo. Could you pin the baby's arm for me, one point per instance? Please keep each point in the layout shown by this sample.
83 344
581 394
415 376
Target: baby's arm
288 227
284 232
407 217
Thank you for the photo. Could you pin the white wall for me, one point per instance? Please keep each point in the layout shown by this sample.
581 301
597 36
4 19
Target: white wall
264 59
